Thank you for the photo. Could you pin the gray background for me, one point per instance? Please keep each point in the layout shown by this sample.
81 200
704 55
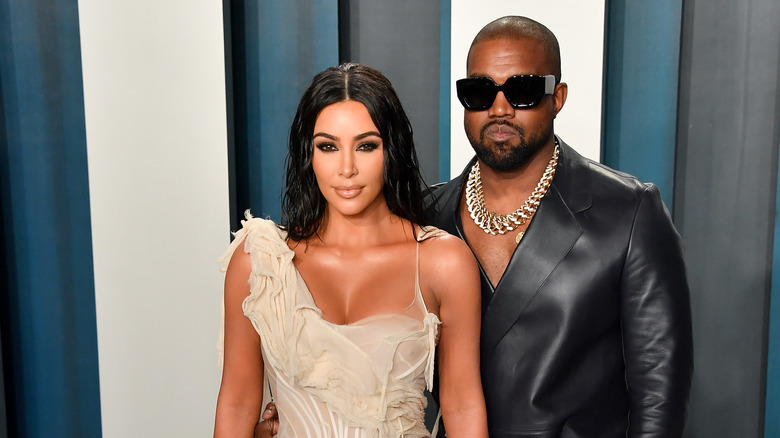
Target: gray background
726 181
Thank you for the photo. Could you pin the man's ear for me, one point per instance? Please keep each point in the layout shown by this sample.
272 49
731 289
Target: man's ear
559 97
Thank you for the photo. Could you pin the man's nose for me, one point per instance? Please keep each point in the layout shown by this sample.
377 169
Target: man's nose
501 107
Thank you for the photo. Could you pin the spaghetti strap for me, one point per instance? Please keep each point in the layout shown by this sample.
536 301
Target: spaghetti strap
417 289
417 273
424 233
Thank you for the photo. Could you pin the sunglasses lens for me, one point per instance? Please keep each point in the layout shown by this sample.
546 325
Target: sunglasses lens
476 93
524 91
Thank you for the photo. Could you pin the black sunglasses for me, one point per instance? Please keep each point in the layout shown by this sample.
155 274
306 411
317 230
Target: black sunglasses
521 91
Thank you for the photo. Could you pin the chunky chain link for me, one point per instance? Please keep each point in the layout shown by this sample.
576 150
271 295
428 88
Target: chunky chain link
494 223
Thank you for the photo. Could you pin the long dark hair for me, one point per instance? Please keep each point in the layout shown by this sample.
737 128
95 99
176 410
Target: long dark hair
303 204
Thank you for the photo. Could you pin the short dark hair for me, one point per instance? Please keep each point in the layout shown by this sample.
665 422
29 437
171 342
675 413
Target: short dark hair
515 27
303 205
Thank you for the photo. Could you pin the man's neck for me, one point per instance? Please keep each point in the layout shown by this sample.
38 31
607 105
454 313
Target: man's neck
502 187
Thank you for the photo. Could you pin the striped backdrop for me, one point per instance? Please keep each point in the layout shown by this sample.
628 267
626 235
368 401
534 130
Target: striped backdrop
134 133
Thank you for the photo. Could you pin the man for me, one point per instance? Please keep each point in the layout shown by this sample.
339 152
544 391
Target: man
586 328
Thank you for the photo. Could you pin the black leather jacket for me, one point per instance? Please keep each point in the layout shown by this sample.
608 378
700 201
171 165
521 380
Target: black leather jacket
588 333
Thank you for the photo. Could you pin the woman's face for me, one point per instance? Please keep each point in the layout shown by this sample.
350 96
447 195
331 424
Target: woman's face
348 159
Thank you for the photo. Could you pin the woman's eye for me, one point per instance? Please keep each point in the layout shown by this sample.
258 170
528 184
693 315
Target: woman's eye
368 147
326 147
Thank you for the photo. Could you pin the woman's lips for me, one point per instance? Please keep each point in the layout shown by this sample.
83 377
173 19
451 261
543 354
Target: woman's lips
348 192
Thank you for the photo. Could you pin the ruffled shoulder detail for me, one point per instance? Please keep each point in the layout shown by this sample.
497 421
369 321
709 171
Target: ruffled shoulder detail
274 292
429 231
270 256
270 237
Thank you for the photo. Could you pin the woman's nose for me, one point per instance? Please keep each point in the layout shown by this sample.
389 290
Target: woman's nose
347 166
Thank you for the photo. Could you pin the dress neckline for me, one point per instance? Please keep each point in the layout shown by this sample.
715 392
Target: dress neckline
422 233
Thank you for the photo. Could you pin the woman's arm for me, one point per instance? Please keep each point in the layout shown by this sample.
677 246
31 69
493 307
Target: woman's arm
453 277
241 391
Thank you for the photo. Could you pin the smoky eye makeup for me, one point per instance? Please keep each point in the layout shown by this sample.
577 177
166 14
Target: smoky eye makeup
368 146
326 146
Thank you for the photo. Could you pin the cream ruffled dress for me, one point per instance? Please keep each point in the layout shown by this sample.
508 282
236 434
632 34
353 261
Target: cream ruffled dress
360 380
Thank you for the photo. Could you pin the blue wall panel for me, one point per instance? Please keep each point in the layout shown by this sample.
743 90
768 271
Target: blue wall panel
277 47
445 55
641 82
48 302
772 408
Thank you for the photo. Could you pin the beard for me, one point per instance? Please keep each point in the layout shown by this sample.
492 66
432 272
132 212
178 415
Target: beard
503 155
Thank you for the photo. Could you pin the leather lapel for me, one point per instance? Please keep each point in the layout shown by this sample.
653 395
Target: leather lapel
552 233
550 236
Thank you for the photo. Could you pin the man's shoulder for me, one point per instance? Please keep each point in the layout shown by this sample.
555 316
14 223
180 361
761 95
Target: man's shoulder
441 192
605 175
445 186
603 180
441 202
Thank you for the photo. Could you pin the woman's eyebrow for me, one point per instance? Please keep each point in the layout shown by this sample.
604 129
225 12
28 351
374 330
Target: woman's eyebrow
367 134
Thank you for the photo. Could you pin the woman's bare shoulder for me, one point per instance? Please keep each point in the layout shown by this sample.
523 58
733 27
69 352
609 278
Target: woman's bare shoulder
449 272
445 254
237 271
239 259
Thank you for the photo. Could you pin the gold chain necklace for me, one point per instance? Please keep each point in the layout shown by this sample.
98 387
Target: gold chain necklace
493 223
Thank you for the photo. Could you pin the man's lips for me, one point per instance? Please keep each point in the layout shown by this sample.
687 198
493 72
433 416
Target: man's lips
500 132
348 192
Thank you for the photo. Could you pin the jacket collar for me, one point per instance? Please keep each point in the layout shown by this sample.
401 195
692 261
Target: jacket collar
572 179
551 234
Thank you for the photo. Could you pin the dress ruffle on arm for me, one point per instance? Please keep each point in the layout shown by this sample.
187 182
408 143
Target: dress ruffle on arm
267 305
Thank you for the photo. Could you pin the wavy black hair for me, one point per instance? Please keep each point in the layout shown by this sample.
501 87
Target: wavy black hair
303 205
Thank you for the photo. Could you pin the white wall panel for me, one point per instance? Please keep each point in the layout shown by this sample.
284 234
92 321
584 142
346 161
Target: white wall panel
154 88
579 27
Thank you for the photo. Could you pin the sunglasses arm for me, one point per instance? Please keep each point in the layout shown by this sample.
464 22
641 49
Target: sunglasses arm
549 84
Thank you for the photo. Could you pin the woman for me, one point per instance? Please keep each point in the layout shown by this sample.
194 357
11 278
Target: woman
341 307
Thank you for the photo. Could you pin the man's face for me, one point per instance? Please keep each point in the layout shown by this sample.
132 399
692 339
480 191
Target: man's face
505 138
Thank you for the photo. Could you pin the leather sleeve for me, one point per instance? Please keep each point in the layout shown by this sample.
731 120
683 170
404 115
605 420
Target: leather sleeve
656 323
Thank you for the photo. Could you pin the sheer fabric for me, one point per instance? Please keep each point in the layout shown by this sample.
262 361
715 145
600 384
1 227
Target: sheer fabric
360 380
